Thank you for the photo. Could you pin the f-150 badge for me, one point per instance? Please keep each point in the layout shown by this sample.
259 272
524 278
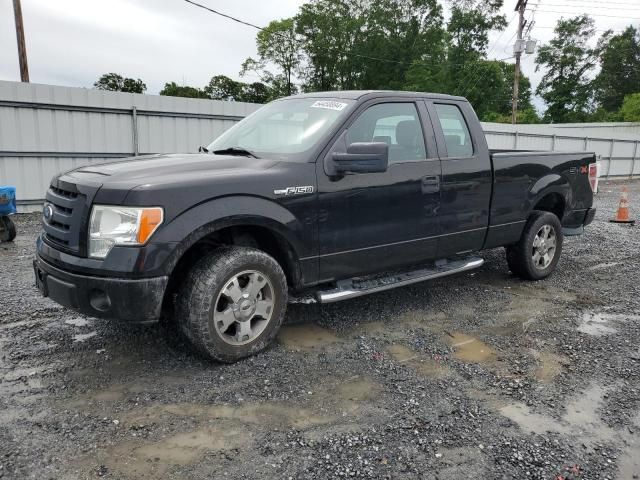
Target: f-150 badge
294 190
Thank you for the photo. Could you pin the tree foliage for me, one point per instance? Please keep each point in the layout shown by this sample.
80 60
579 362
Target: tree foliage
174 90
630 110
373 44
410 45
568 58
277 44
116 83
620 69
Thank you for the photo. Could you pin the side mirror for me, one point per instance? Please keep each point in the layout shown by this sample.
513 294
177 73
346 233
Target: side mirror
362 158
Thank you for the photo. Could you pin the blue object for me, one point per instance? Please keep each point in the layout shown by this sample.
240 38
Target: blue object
7 201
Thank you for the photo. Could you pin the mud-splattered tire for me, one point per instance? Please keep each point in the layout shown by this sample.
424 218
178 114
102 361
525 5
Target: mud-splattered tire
537 253
232 303
7 230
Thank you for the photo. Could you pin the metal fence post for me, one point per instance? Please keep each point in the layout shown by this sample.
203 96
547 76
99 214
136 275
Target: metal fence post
134 125
553 142
633 159
515 141
610 157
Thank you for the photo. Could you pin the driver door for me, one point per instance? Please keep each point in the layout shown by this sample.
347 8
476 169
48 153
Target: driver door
371 222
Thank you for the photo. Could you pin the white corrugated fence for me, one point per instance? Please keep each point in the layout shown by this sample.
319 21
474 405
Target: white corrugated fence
47 129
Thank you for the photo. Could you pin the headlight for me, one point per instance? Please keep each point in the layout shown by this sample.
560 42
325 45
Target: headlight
111 226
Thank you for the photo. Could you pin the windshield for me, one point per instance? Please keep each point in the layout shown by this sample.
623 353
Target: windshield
284 130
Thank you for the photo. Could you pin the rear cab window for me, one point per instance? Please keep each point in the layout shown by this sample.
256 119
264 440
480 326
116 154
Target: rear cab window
456 132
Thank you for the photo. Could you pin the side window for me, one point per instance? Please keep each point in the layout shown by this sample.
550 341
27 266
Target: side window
396 124
456 132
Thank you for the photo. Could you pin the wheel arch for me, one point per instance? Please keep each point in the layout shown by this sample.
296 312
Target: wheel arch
550 193
242 221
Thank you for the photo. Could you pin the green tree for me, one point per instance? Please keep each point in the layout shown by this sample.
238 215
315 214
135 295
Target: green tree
461 67
174 90
116 83
568 59
620 69
221 87
630 110
328 44
277 44
256 92
372 46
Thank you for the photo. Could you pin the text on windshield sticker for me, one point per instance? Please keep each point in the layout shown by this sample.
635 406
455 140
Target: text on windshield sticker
331 105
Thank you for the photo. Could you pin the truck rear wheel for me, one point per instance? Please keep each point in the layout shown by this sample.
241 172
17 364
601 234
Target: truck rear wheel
233 303
536 254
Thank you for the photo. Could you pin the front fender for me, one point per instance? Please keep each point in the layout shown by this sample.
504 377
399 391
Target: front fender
201 220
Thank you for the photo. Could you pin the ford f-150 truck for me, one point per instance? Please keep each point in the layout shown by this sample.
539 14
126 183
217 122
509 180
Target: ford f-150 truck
315 197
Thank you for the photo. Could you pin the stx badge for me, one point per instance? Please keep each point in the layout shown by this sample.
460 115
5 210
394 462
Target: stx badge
294 190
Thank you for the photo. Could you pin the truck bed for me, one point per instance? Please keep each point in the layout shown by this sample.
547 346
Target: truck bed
516 180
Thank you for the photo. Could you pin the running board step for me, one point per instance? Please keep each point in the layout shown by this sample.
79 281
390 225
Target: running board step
356 287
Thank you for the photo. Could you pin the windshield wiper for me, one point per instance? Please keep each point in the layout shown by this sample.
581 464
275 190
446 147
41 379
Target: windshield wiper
235 151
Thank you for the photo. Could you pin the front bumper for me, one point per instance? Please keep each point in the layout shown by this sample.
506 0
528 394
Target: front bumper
133 300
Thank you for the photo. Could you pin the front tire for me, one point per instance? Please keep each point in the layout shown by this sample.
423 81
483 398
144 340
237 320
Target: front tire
537 253
232 303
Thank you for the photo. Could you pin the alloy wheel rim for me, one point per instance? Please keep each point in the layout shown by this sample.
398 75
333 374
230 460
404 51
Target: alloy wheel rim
244 307
544 247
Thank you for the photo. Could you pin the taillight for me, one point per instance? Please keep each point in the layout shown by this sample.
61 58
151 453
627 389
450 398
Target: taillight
593 176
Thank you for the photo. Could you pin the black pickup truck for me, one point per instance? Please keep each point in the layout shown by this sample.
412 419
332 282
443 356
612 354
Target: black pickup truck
317 197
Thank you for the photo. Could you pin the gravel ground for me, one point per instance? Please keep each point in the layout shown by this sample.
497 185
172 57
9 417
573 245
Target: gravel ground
479 375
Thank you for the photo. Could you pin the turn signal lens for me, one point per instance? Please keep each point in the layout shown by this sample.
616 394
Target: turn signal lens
150 220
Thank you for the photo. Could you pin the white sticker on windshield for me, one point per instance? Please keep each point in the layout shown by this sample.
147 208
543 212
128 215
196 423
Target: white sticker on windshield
330 104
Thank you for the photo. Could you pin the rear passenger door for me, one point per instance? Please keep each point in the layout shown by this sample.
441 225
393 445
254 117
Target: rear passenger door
466 177
372 222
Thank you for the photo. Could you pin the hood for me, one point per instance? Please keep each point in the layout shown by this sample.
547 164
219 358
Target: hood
161 169
179 181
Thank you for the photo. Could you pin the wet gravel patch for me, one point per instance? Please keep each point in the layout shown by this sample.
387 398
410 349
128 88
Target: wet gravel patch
479 375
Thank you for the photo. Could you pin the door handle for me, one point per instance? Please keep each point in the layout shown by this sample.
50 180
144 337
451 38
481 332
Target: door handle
431 184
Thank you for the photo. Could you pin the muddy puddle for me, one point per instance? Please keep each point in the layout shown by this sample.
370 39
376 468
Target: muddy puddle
471 349
77 321
218 428
306 337
549 366
598 324
155 459
81 337
581 417
422 364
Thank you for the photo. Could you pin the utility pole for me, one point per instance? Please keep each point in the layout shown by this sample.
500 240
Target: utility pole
22 49
518 49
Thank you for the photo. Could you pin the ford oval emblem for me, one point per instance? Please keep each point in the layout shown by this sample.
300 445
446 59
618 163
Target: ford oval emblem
47 212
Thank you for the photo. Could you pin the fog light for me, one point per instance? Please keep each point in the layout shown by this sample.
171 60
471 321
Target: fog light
99 300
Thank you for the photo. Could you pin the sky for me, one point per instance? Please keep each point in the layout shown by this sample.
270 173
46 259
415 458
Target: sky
73 42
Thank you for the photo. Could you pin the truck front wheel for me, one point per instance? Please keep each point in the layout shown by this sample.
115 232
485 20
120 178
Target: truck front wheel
232 303
536 254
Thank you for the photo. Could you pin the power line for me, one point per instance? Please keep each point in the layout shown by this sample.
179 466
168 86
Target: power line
598 2
590 14
607 7
495 44
598 30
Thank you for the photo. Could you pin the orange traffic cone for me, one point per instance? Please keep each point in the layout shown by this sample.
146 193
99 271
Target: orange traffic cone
622 216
